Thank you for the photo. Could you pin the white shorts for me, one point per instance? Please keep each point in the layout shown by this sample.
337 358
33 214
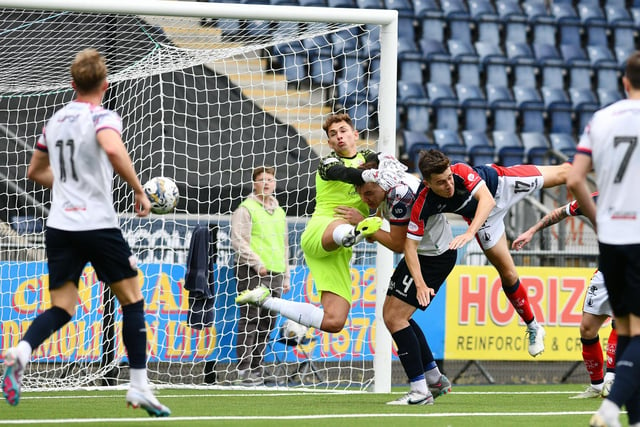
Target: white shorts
596 300
510 190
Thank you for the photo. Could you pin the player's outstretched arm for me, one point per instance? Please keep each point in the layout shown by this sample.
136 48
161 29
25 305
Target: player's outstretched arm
486 203
553 217
112 144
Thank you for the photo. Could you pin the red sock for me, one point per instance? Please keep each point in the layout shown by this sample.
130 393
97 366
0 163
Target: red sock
593 359
612 343
520 301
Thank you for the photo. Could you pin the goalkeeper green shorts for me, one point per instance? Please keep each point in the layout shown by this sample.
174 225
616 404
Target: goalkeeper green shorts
330 270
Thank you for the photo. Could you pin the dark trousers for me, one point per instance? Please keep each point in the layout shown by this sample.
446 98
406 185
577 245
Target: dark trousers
255 323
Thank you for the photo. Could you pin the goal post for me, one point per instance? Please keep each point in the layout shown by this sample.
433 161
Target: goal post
207 92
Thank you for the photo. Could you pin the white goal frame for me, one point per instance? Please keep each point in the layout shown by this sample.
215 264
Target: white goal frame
388 21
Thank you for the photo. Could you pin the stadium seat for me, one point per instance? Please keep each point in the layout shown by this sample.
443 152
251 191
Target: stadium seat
284 2
536 148
345 41
584 104
486 19
578 66
473 104
321 66
411 64
341 3
447 137
621 26
458 19
509 148
444 105
480 151
370 41
558 108
543 25
607 97
568 22
313 3
495 65
524 67
622 53
503 108
406 21
594 23
370 4
606 67
294 60
531 108
431 20
563 143
514 20
438 61
635 15
414 142
413 99
465 60
550 63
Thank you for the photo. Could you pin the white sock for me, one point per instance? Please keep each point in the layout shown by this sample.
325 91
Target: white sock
138 378
609 376
304 313
23 349
340 231
433 375
533 324
419 386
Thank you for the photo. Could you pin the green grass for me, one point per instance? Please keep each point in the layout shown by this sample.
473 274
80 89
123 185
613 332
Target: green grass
477 406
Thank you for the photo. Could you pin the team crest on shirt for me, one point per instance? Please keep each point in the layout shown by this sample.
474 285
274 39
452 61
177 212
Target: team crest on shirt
471 177
413 227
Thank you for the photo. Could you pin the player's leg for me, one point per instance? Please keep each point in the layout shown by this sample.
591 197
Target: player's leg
115 265
610 371
592 353
247 326
554 175
499 256
340 233
65 266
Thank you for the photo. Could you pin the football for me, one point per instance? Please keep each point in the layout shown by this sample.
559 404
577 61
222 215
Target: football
162 193
293 331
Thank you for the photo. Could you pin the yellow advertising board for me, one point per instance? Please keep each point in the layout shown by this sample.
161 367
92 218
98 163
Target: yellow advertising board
481 324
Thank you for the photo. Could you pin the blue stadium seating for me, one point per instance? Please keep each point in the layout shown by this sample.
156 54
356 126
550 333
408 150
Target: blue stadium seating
563 143
594 23
550 63
503 108
345 41
486 20
370 41
508 147
584 104
568 22
607 97
370 4
465 61
414 142
536 148
514 20
621 26
341 3
605 65
411 64
458 19
321 66
495 64
578 66
438 61
543 25
313 3
293 59
559 110
480 151
523 64
413 99
431 19
444 105
531 108
446 137
473 104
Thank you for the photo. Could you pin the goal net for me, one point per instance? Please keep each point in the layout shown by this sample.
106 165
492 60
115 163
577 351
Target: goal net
207 92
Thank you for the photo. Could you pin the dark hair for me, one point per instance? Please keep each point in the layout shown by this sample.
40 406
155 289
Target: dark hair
632 70
263 169
370 164
432 162
335 118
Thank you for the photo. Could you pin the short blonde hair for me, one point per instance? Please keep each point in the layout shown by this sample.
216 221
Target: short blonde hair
88 70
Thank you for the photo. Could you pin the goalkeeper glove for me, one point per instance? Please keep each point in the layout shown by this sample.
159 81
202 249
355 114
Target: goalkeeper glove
386 179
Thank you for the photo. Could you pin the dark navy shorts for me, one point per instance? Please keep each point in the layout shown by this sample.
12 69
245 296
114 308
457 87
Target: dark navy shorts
435 270
69 251
620 265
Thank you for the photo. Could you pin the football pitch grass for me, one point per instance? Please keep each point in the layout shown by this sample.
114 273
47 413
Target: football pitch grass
477 406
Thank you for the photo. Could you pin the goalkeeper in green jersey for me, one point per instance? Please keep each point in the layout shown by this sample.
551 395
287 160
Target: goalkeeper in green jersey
328 237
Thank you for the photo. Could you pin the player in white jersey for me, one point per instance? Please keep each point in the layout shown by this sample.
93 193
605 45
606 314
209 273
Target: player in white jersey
609 146
76 155
435 261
